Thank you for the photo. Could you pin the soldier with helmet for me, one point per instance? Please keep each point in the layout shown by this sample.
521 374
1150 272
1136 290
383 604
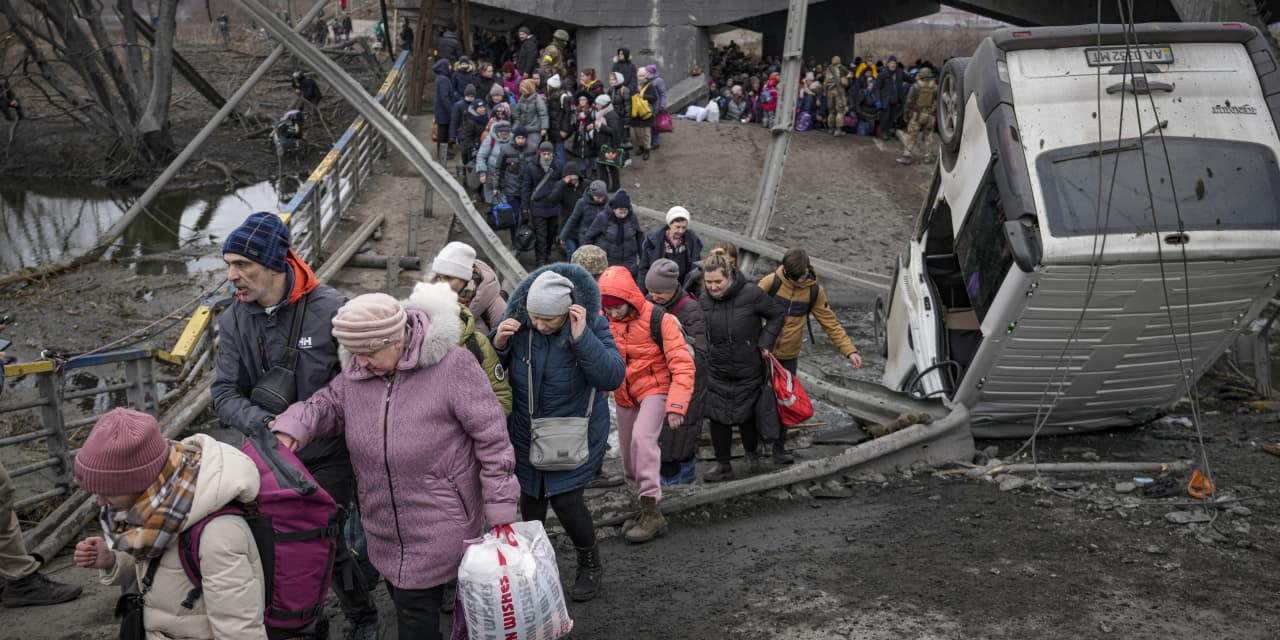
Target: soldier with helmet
835 83
921 100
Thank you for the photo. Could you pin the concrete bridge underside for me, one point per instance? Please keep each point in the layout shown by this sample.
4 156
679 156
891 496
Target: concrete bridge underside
674 34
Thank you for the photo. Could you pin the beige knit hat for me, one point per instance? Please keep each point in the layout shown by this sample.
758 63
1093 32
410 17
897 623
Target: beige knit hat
369 322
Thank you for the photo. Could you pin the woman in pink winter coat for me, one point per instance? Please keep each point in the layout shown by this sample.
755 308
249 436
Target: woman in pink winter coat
428 441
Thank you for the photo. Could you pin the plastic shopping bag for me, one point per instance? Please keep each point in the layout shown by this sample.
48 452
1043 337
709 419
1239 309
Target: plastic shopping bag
509 586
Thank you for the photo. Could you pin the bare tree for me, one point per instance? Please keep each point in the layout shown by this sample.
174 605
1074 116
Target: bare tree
76 58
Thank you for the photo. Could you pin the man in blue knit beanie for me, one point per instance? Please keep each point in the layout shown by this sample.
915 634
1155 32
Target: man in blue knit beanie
273 285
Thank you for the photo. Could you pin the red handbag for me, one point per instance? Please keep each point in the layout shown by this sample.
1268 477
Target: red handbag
662 123
794 406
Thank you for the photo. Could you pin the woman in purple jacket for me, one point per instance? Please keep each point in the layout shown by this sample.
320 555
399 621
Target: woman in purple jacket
428 442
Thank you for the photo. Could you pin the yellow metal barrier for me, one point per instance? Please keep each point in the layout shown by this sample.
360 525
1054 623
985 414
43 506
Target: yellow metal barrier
196 327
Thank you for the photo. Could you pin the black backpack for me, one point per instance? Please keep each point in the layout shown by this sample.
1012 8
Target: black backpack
813 301
655 331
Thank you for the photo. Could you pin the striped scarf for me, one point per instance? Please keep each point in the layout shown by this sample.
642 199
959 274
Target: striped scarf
154 521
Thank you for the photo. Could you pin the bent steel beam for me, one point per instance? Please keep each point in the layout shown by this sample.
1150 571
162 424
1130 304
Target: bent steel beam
781 130
874 282
442 182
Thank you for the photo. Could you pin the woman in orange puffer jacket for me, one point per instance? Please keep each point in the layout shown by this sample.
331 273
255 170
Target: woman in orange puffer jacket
658 387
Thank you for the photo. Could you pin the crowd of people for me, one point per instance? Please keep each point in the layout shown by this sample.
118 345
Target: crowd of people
868 97
423 420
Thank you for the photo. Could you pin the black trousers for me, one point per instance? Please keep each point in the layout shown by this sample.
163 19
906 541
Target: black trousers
889 116
546 235
571 509
610 176
722 438
348 584
417 612
789 364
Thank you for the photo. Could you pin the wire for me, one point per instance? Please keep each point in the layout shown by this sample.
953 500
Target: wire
128 340
1192 391
1102 224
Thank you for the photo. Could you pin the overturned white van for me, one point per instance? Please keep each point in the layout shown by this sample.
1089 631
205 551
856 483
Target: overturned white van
1103 219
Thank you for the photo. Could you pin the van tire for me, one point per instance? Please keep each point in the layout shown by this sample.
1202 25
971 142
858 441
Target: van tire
951 100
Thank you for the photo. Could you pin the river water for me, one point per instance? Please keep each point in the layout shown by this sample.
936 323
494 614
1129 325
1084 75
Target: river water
44 221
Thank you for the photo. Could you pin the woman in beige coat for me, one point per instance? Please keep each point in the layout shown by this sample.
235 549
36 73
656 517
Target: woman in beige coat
151 489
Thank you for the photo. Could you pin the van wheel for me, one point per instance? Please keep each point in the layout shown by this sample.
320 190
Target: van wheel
951 99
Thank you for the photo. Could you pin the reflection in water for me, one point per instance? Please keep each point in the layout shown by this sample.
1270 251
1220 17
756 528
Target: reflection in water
51 221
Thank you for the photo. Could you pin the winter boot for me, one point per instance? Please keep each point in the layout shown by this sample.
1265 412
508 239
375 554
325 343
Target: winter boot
721 473
780 454
590 574
651 523
905 159
753 462
37 590
365 628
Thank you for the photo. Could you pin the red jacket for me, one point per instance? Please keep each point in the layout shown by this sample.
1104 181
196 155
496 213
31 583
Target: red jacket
650 369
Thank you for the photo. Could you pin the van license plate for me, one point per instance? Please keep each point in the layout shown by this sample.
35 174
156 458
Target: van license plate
1103 56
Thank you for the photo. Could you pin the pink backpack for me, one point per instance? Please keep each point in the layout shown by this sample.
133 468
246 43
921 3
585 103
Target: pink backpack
295 527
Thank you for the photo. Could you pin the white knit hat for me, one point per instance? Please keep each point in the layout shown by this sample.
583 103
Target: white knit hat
455 260
603 100
677 213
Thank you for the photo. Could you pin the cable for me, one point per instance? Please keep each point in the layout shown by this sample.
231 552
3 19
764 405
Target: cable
1192 391
62 362
1102 224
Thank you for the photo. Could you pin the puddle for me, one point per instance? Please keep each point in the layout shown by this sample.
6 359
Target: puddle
43 221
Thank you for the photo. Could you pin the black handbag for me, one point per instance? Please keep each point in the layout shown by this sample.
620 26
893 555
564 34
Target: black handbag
129 607
277 388
768 424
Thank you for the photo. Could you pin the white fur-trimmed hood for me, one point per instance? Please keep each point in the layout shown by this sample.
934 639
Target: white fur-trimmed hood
441 330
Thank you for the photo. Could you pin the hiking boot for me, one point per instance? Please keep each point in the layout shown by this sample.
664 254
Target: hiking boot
905 160
645 155
780 454
363 629
651 523
722 472
37 590
590 574
753 462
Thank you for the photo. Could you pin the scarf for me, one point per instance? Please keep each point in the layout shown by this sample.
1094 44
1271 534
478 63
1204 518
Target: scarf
154 521
600 114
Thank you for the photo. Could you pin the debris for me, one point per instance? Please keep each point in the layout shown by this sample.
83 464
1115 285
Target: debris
1156 551
1126 487
1090 456
1187 517
1065 485
1175 421
831 489
1011 483
1044 503
779 494
1265 405
1200 486
1104 627
1240 510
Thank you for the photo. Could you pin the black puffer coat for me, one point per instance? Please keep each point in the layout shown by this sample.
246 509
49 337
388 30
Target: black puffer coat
735 335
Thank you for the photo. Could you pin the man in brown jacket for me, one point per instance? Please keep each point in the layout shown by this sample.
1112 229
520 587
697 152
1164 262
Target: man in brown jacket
794 287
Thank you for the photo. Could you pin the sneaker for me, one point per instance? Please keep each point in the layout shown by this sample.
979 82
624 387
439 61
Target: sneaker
37 590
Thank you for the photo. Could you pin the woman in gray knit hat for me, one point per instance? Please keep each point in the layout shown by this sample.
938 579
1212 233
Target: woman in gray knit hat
562 361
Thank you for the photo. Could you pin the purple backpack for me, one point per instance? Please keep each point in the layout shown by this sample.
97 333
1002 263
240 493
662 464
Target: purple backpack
295 527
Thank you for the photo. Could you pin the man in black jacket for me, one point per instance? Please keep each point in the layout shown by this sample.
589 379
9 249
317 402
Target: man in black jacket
541 190
273 285
527 56
890 87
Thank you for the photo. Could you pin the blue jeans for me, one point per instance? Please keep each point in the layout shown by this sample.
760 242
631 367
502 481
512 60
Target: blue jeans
654 145
570 246
514 201
558 147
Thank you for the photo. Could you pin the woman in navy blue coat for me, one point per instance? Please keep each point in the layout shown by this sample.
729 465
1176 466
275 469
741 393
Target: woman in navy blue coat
553 324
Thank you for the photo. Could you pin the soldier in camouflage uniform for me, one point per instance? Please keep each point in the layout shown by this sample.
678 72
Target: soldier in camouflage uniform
921 100
551 61
835 83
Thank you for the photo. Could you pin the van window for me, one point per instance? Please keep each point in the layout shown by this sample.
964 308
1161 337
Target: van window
1220 185
983 250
